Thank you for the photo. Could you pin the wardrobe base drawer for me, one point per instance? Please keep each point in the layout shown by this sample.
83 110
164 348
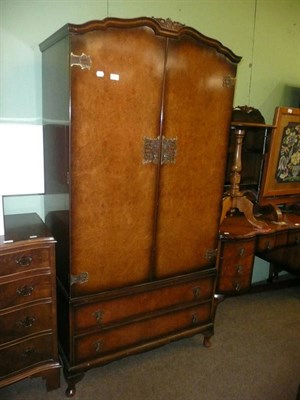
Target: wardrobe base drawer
107 341
120 309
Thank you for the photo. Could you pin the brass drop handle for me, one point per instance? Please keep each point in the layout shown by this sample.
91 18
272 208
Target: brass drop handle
197 293
27 322
24 261
98 316
242 252
25 291
239 269
195 319
28 352
237 287
98 345
268 245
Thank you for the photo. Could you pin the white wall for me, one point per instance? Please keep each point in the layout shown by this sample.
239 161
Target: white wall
21 161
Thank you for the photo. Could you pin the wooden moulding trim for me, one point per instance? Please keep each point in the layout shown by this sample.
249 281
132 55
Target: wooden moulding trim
163 27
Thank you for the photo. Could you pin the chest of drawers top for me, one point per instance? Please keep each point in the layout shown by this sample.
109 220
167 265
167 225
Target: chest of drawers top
24 227
24 248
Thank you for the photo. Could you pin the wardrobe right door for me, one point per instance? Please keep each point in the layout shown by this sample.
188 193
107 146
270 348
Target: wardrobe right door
197 111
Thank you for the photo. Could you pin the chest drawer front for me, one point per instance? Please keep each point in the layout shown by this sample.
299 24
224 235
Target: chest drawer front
237 258
106 312
24 322
24 260
25 290
25 354
92 346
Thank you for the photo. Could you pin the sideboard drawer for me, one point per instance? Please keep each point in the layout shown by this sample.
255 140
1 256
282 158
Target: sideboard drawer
14 261
25 290
26 354
26 321
267 243
119 309
294 238
94 345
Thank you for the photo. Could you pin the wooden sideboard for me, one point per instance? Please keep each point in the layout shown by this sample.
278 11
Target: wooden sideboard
240 241
252 225
28 342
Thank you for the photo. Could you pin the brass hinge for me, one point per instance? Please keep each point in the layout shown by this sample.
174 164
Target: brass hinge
167 152
211 254
229 81
83 61
83 277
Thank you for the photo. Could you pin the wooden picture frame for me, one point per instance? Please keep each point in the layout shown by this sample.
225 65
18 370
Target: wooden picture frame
281 174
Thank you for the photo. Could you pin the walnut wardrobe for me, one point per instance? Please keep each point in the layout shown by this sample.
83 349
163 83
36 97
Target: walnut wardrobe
136 119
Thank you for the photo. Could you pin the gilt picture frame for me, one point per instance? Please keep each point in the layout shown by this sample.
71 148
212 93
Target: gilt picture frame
281 173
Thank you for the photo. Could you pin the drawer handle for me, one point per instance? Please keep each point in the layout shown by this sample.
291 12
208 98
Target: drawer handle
242 251
239 269
98 315
99 346
197 293
24 261
195 319
25 291
268 245
29 352
237 287
27 322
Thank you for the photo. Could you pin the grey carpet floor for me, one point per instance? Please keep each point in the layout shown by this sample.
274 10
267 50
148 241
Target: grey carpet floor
255 355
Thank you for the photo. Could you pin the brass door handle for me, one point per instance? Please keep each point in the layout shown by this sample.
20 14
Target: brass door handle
160 150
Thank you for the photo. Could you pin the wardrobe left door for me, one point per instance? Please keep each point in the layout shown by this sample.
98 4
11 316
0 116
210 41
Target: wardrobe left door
115 107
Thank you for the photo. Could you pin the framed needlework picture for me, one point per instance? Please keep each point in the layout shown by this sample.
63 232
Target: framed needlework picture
281 174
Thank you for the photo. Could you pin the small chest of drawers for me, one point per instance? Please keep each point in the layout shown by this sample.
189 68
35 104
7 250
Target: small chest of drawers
236 266
28 341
